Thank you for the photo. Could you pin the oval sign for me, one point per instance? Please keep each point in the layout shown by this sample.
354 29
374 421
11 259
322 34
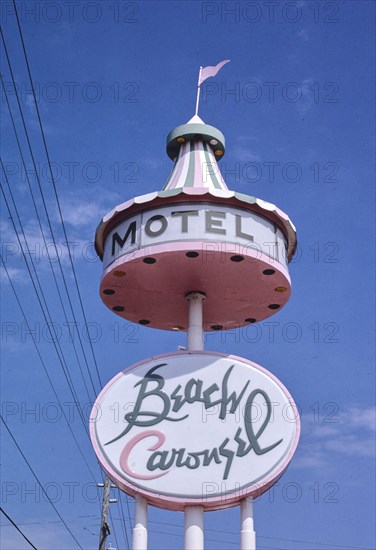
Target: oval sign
194 428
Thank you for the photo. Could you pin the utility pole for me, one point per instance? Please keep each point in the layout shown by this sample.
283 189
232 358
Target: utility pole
105 529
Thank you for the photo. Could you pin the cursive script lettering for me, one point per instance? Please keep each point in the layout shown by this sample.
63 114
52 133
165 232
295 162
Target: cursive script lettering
245 440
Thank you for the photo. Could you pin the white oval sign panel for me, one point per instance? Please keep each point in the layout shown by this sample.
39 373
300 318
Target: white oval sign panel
194 428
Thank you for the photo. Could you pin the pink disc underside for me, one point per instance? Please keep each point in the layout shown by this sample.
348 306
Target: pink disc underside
242 287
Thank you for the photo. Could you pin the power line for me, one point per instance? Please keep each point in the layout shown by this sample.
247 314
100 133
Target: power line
41 230
38 481
123 522
210 539
56 344
45 368
57 201
18 529
35 272
70 383
45 207
342 546
54 183
225 532
66 373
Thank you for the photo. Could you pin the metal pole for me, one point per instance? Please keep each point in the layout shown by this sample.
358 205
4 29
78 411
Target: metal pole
140 529
195 340
194 528
247 534
194 515
105 530
198 90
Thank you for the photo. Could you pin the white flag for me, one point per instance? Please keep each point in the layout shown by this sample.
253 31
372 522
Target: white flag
211 71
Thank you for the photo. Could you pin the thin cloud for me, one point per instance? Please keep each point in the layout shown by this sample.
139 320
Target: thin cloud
307 98
303 34
80 212
15 274
246 155
350 432
243 150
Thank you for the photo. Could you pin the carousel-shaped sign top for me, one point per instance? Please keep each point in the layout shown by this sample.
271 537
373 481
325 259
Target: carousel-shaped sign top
195 235
193 146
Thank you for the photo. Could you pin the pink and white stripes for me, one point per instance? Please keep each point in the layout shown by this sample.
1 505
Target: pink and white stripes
196 166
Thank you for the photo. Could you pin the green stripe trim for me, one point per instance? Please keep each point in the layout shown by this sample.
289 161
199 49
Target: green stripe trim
189 180
214 178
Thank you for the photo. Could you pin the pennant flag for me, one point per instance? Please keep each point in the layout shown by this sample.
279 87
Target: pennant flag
211 71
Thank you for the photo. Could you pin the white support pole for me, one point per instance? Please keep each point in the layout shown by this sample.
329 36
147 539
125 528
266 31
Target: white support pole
195 340
140 529
194 515
247 533
194 528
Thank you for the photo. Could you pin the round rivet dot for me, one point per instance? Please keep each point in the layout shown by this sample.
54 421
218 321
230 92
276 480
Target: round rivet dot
237 258
118 273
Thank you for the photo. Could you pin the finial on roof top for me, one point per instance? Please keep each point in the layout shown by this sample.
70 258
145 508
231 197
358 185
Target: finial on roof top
195 120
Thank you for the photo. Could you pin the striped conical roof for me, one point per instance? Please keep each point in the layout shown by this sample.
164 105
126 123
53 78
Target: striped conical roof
195 147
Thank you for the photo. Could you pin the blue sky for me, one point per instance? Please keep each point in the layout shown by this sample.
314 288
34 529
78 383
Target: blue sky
112 79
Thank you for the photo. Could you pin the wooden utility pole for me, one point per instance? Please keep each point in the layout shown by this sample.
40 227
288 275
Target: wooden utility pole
105 529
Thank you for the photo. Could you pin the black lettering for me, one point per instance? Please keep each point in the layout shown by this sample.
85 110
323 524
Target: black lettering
211 222
162 229
184 218
239 232
121 242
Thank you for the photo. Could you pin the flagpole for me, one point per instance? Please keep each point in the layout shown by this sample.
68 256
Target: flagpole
198 90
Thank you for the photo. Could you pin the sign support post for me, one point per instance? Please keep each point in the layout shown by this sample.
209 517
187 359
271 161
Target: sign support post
194 515
195 333
247 533
140 531
194 528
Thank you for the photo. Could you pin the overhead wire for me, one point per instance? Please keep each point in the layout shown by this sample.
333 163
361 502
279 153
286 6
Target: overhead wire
18 529
54 186
38 481
44 367
327 544
114 530
298 541
46 210
48 319
66 371
57 200
41 229
123 516
54 183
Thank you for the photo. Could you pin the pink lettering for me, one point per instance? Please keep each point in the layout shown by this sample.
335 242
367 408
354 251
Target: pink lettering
131 444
